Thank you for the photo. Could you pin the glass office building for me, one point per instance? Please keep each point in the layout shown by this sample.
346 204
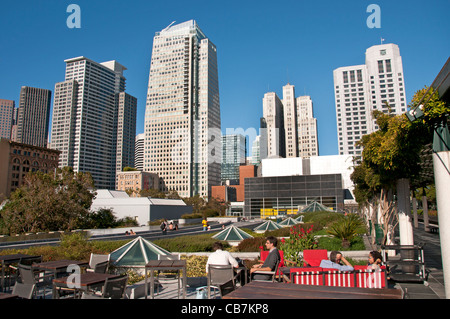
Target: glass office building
234 153
272 197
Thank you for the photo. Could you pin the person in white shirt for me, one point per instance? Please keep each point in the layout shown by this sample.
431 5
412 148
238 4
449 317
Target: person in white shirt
220 257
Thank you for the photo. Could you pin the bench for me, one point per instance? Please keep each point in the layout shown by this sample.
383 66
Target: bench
360 277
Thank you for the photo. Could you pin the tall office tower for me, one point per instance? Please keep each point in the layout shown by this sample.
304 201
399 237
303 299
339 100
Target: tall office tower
126 106
6 118
290 120
274 116
93 119
139 152
182 116
15 119
256 156
33 116
376 85
234 154
308 142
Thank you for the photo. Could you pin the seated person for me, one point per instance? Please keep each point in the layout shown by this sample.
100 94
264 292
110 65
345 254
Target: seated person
375 259
220 257
271 261
335 262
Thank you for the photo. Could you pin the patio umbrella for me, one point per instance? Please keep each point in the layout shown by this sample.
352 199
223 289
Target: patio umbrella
267 225
137 252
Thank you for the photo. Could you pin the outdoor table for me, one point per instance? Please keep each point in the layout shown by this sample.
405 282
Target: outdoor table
86 282
7 260
271 290
4 295
165 265
58 266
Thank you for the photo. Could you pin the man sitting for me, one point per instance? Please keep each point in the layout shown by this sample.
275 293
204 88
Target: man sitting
335 262
271 261
220 257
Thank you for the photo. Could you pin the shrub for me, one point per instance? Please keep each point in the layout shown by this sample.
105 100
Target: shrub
189 243
346 229
195 265
251 244
299 240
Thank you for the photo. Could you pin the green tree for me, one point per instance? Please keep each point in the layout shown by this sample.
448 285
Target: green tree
59 201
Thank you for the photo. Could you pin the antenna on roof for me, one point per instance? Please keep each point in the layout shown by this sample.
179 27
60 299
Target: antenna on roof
169 26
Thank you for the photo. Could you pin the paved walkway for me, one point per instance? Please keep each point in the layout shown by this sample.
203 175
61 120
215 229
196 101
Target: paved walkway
434 288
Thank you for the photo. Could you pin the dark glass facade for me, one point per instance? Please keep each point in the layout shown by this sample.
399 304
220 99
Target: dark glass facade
267 197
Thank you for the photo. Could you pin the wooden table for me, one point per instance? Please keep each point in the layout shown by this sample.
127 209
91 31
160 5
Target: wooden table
58 266
4 295
165 265
87 281
270 290
7 260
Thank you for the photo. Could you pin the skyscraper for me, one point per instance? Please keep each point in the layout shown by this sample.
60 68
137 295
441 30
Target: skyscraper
94 121
307 139
274 118
33 116
376 85
182 117
291 126
6 118
139 152
234 154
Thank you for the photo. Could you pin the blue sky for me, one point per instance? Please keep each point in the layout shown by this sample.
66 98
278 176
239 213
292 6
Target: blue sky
261 46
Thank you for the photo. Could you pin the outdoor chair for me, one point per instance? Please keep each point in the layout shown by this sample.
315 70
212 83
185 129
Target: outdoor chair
313 257
98 259
30 277
100 268
24 291
113 289
283 262
222 278
271 274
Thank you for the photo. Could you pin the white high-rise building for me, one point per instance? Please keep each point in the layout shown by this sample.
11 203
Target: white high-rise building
291 126
273 114
308 142
376 85
182 117
290 120
139 152
94 120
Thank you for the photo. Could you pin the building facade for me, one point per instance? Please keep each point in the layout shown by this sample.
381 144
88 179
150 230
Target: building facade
360 89
139 152
6 117
94 121
272 197
17 159
182 118
136 181
33 116
234 154
274 120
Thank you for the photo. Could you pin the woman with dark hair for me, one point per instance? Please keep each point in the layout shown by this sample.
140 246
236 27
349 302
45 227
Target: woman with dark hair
375 260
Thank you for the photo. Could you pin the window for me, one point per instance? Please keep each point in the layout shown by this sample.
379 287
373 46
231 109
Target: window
380 67
388 66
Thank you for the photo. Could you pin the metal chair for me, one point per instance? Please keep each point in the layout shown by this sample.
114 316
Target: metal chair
222 278
97 263
271 275
30 277
113 289
24 291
